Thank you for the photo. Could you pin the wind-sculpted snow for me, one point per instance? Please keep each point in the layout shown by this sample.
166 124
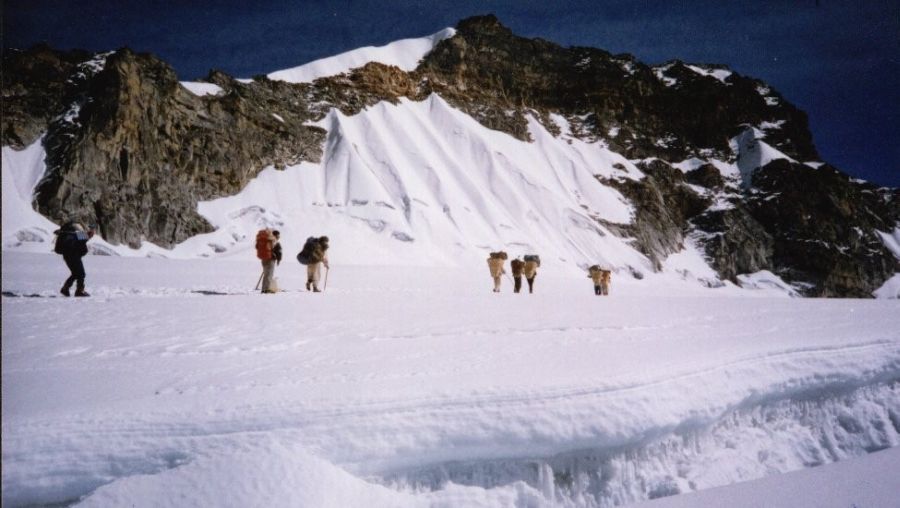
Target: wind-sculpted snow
173 385
404 54
452 189
416 183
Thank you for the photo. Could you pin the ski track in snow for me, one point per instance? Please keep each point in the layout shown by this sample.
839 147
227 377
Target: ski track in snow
392 370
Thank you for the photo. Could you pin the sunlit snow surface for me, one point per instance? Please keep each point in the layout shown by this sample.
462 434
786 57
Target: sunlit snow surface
202 89
406 386
404 54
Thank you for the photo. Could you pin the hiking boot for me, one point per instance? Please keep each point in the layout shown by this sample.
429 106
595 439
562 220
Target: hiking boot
308 285
81 292
315 290
65 291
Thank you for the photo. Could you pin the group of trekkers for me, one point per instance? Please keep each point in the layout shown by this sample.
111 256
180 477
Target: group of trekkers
314 255
72 238
528 268
601 277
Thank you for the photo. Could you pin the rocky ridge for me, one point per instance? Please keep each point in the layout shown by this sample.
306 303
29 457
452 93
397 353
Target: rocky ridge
131 149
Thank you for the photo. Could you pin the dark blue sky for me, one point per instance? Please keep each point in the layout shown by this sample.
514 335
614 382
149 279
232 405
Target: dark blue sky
837 60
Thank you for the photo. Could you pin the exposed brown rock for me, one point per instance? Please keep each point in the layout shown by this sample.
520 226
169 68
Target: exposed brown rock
140 150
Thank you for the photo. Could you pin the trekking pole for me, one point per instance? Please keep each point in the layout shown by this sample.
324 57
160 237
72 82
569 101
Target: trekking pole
325 285
259 281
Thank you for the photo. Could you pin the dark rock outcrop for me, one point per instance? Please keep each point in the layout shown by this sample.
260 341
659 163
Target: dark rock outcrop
497 77
824 228
734 242
36 84
136 151
664 205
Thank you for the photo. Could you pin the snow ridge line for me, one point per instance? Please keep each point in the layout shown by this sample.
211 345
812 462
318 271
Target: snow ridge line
298 417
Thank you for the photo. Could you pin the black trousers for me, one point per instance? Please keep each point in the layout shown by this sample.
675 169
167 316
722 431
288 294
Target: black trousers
597 289
517 284
77 268
531 284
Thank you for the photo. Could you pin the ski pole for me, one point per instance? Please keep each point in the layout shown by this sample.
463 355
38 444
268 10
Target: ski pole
325 285
259 281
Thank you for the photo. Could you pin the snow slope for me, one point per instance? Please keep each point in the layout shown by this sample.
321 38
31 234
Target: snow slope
22 170
416 183
422 183
404 54
405 386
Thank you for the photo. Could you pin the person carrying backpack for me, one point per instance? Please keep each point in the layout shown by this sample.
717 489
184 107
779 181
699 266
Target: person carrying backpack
266 243
495 265
517 265
71 242
601 279
532 262
605 282
596 275
313 255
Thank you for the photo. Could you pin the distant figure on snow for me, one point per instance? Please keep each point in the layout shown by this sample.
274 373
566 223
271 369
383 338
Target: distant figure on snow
266 242
276 255
601 279
605 282
313 255
71 242
532 262
517 265
495 265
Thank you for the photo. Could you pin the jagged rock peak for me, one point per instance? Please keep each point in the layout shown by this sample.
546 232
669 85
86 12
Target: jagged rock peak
485 24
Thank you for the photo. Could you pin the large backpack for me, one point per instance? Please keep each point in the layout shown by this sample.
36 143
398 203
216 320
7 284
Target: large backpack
307 254
67 238
64 242
532 257
264 244
499 255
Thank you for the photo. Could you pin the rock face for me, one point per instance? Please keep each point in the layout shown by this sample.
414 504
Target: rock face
130 148
664 206
824 227
36 84
641 111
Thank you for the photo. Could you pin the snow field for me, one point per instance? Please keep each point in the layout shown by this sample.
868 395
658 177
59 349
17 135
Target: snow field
154 392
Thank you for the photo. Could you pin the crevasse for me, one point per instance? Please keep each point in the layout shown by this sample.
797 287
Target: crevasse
744 444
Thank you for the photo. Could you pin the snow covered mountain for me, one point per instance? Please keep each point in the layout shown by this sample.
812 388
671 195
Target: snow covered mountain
434 151
407 383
